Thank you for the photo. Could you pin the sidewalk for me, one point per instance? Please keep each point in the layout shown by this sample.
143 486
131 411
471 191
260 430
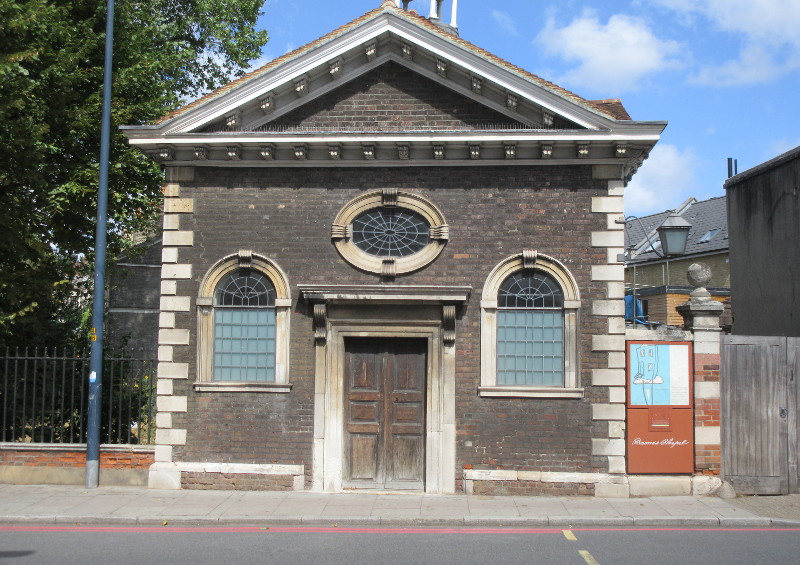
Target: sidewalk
50 504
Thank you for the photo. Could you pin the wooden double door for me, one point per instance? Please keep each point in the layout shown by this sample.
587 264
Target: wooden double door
385 383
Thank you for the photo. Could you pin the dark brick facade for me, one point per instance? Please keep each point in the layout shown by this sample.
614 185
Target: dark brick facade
237 481
392 98
493 213
134 291
532 488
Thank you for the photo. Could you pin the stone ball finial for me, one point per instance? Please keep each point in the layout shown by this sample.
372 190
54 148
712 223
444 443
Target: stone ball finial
698 274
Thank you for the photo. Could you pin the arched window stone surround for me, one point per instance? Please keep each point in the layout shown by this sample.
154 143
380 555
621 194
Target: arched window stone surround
529 259
244 259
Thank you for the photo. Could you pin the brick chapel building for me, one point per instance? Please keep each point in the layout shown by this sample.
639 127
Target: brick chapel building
390 261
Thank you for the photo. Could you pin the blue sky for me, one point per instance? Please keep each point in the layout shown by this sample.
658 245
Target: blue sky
725 74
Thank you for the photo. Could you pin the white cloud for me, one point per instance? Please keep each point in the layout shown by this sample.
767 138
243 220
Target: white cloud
612 57
505 22
663 182
770 42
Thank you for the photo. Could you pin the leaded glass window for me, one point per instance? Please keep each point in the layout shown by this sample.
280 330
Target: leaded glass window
530 331
390 232
244 328
245 288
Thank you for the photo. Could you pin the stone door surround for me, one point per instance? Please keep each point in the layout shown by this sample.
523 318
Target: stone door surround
384 311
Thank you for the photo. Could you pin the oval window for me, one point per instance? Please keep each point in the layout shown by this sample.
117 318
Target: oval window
390 232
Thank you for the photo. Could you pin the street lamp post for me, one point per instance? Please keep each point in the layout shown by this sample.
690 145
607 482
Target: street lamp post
99 297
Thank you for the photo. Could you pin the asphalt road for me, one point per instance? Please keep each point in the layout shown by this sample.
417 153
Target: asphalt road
44 545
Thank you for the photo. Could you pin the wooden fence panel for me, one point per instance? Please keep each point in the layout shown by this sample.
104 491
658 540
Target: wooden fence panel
755 414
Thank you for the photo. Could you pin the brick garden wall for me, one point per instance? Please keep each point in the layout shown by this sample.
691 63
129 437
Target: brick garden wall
45 455
707 414
61 464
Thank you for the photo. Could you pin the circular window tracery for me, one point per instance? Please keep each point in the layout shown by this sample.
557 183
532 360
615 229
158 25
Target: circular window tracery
389 232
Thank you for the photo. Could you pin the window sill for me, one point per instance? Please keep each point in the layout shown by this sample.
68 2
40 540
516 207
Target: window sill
242 387
529 392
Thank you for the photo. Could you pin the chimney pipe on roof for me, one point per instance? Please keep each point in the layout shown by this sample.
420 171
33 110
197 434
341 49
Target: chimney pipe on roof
733 167
436 16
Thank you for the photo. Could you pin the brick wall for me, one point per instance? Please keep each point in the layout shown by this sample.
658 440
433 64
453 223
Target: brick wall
493 212
235 481
61 464
532 488
707 412
391 98
133 299
45 455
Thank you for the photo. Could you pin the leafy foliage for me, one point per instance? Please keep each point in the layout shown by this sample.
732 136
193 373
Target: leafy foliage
51 75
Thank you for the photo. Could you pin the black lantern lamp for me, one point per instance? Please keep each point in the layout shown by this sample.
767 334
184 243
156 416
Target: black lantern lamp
674 233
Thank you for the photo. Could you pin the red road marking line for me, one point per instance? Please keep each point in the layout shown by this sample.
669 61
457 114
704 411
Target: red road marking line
351 530
276 529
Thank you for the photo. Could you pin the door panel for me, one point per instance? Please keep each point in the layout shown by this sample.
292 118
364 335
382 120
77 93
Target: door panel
385 426
363 457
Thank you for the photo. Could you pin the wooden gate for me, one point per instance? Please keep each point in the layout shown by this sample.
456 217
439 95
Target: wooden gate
759 406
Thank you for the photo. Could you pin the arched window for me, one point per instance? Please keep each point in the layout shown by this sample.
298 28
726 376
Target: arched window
529 329
243 319
244 328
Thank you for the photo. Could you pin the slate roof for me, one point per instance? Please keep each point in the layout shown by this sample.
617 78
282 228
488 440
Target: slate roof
705 216
609 108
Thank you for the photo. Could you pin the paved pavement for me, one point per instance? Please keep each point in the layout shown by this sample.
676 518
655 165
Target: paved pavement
53 504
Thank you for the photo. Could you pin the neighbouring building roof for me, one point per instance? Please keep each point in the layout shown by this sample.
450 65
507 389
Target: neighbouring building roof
763 167
709 233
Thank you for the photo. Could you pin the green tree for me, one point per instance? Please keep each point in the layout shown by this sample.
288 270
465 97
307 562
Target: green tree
51 75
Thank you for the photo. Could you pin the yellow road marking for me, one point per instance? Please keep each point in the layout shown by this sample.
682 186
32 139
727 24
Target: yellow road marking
569 535
588 558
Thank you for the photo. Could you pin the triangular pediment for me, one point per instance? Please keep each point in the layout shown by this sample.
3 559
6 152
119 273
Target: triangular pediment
383 35
392 72
389 98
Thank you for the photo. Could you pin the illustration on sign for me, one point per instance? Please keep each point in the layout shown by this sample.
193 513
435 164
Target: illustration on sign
659 374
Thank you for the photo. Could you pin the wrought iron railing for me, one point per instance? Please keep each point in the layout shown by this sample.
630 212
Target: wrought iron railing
44 393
